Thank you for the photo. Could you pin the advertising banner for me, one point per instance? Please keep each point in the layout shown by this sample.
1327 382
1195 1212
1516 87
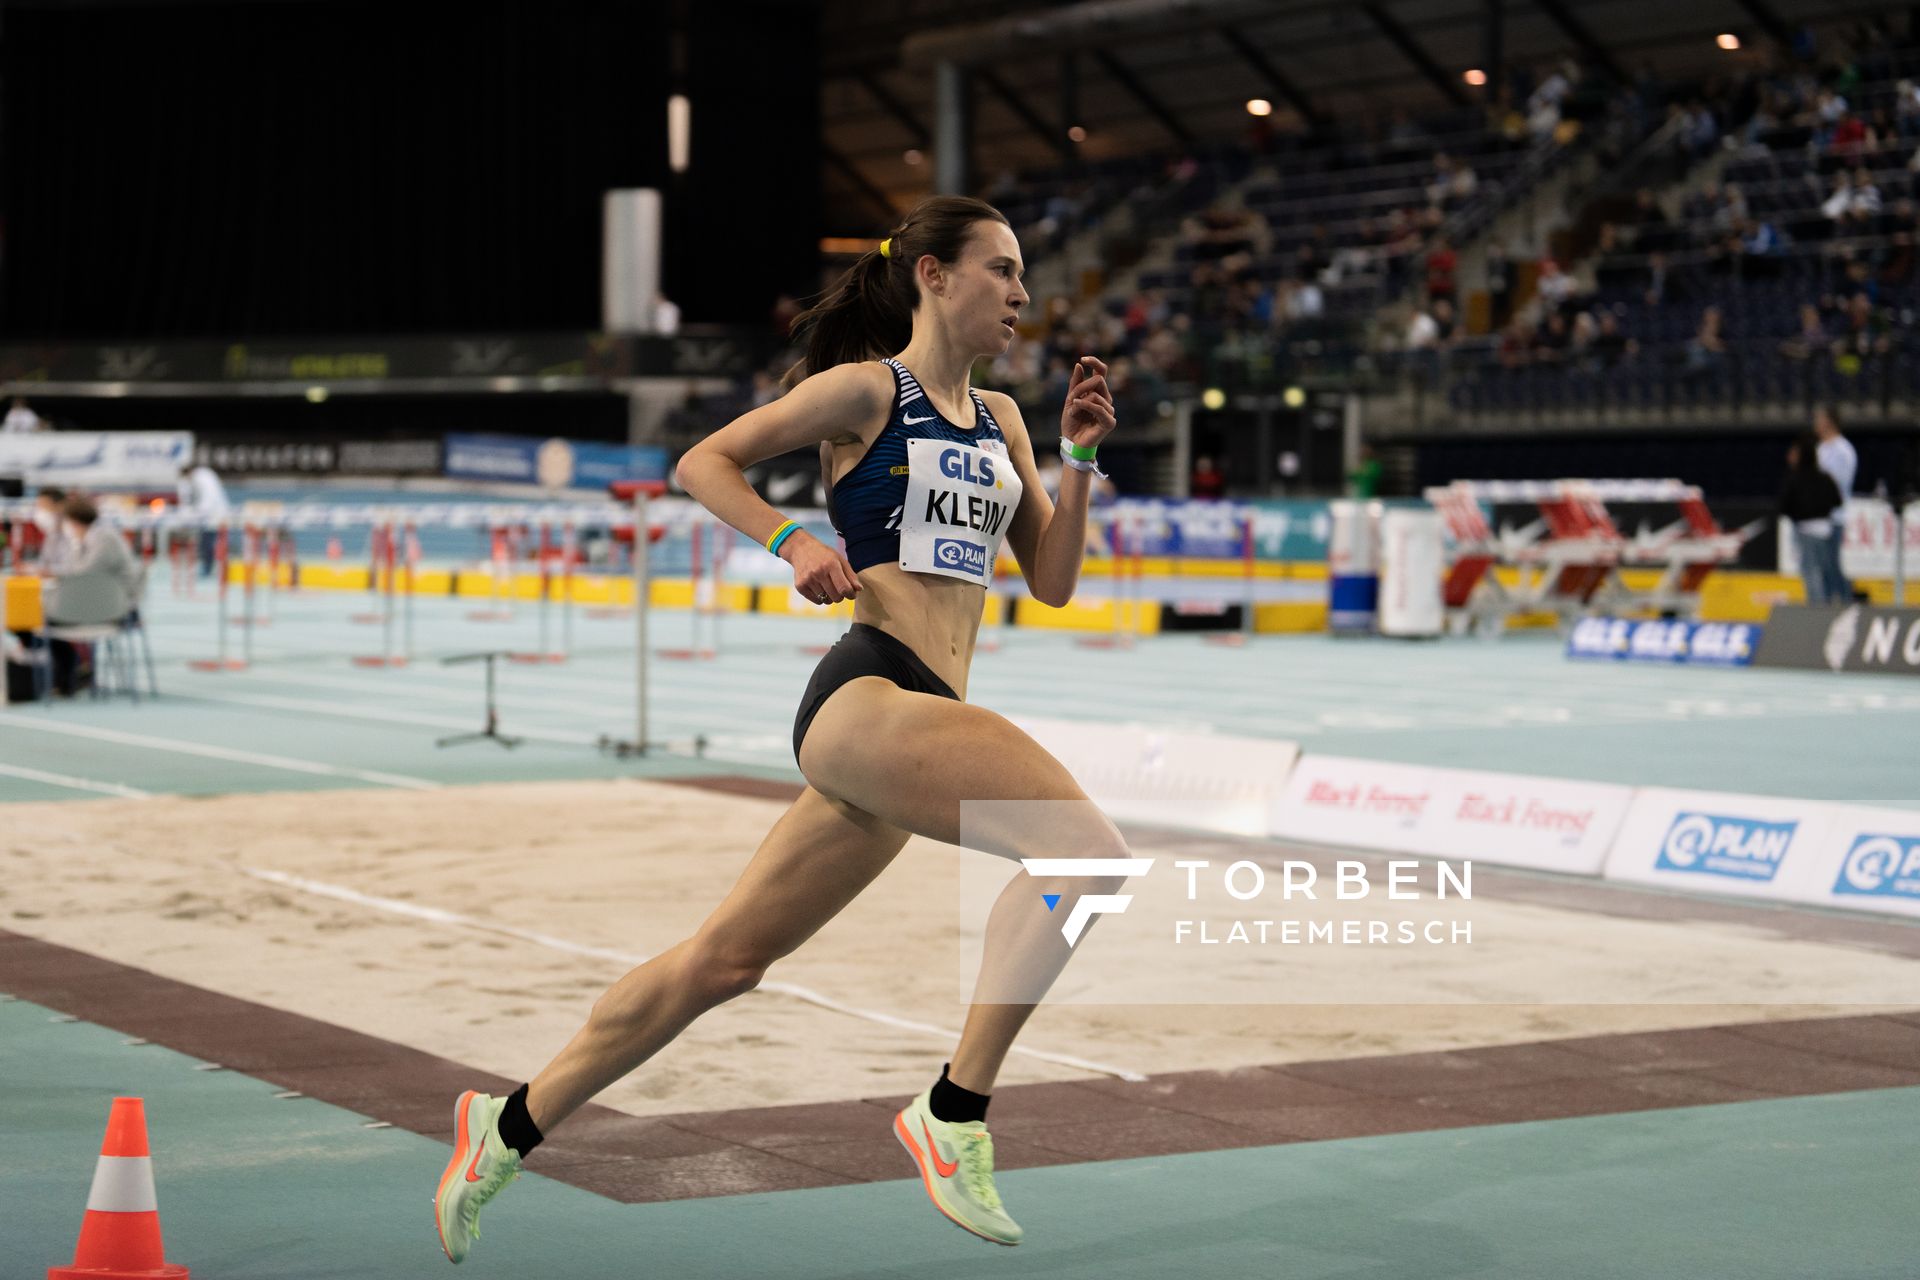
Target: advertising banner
552 464
1867 638
1753 846
1512 819
1200 781
1717 644
97 459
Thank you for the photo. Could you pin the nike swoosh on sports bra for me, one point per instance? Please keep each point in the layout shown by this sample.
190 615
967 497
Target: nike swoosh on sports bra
928 495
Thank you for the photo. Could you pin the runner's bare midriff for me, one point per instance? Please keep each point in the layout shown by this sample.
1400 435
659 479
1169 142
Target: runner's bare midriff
938 618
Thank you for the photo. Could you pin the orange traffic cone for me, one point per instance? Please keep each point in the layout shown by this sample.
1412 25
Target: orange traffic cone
120 1236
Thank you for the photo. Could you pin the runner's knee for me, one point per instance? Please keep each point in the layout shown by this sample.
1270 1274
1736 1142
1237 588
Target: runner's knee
722 970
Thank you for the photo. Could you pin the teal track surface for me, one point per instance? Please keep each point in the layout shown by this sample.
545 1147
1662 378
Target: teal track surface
1514 704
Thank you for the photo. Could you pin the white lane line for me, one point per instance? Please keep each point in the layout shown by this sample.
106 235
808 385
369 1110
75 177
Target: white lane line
78 784
181 746
436 915
343 712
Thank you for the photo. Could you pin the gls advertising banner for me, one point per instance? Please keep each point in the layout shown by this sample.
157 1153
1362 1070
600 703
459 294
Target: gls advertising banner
1719 644
1520 821
1855 638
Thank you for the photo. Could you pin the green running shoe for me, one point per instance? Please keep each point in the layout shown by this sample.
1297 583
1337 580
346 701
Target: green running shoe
956 1163
481 1166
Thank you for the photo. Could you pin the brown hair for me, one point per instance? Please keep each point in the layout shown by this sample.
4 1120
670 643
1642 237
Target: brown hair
80 511
868 312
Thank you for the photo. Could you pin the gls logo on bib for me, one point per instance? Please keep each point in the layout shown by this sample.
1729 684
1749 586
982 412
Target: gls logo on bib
960 499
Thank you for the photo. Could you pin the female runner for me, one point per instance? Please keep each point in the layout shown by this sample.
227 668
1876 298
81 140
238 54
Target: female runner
927 477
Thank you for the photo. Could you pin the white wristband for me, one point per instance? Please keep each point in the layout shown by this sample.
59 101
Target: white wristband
1067 459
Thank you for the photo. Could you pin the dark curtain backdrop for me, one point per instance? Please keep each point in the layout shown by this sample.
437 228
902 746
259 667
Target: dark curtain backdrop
340 168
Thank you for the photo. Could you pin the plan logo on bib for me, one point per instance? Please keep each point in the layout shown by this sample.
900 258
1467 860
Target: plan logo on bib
1881 866
1716 845
951 553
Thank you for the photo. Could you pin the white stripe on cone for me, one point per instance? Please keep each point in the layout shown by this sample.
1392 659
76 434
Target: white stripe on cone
123 1184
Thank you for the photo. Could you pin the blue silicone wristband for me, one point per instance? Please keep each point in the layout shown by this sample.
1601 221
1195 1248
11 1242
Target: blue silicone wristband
788 532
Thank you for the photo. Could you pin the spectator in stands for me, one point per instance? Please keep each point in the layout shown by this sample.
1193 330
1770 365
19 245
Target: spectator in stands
1424 330
1553 340
1454 182
1554 286
1499 285
1807 498
1516 345
22 418
1707 350
1545 103
1863 333
1304 302
1667 284
1906 108
1610 346
1206 481
1442 264
1812 339
1849 140
1840 200
1701 133
1585 335
1759 238
1652 231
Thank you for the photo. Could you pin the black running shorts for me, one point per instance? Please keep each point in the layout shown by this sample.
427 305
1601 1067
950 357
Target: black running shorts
864 651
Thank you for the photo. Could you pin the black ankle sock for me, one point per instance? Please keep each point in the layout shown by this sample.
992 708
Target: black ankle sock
517 1129
951 1103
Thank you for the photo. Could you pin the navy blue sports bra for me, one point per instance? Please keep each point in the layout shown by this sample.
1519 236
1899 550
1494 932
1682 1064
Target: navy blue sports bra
867 505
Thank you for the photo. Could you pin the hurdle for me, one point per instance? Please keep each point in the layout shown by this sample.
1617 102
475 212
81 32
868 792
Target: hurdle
1126 538
387 577
500 562
220 661
377 554
708 569
1249 589
252 540
546 652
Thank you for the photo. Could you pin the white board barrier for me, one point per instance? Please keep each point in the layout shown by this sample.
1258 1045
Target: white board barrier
1721 842
1774 847
1170 777
1412 562
1510 819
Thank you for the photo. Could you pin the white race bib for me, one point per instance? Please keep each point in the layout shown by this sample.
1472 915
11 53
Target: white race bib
960 500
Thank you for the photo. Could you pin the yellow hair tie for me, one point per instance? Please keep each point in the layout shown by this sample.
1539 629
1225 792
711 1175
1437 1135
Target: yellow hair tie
886 247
